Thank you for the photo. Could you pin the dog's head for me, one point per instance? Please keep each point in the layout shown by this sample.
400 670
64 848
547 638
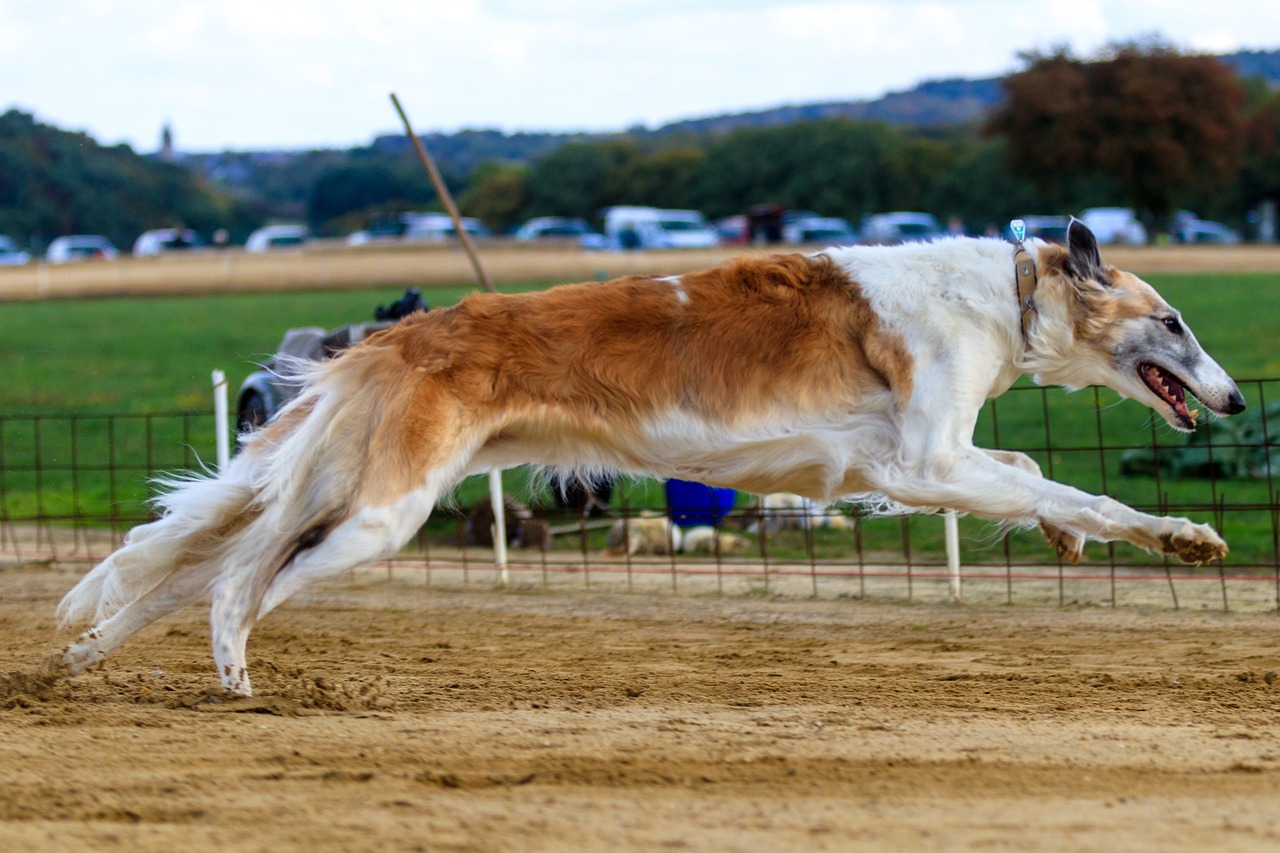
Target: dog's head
1101 326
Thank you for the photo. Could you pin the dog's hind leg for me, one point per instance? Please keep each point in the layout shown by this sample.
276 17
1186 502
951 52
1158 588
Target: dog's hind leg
174 592
240 600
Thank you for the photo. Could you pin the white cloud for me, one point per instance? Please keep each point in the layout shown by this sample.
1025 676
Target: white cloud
245 73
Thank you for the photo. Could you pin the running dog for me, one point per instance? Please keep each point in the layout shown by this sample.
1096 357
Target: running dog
850 372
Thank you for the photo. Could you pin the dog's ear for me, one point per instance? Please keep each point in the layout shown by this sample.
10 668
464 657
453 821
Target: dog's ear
1083 259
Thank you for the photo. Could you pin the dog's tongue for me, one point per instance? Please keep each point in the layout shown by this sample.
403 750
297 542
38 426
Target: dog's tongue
1172 391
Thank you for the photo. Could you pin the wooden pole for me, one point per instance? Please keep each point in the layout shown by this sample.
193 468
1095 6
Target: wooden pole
445 198
495 475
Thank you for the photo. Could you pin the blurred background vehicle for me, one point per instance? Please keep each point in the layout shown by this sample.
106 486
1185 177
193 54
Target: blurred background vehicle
1189 228
265 391
11 255
281 236
731 230
552 228
900 227
439 227
570 229
1114 225
80 247
636 227
429 227
164 240
827 230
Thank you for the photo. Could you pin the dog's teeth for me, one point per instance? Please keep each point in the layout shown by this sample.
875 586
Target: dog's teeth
1194 414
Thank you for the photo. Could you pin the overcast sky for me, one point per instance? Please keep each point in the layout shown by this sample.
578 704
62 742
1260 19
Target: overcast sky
255 74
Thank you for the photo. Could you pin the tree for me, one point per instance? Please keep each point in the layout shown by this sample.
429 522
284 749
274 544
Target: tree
53 182
838 167
663 178
496 193
1156 123
1261 175
343 196
580 178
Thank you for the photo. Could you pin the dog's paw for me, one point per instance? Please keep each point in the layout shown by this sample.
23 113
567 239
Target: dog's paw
1070 546
81 655
1193 543
235 682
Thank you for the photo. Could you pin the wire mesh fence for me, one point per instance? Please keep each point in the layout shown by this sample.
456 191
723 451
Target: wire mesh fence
71 486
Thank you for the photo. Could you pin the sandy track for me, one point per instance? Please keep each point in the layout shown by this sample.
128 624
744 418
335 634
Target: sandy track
391 717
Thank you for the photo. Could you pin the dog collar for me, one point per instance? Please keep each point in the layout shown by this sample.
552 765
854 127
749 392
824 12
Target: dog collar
1024 272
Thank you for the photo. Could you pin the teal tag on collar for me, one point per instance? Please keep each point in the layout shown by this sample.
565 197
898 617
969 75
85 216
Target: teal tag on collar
1019 229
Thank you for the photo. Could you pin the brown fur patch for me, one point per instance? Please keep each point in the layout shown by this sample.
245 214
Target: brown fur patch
591 361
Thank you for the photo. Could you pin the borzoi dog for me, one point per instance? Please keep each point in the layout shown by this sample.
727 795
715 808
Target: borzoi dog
854 371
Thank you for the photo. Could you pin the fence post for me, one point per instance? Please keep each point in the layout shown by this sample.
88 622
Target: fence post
499 522
220 419
952 528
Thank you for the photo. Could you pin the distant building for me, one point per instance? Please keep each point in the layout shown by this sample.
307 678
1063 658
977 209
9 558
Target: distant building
167 153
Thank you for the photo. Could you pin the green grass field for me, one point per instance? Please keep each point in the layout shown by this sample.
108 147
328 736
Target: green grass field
86 358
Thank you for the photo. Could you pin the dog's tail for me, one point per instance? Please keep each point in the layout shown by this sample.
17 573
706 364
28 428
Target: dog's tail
292 482
196 514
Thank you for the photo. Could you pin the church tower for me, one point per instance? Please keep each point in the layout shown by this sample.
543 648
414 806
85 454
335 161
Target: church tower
167 153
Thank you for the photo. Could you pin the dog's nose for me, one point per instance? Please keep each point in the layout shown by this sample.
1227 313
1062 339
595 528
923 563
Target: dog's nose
1235 402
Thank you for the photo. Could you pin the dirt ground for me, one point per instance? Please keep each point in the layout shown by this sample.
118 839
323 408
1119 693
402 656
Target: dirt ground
393 717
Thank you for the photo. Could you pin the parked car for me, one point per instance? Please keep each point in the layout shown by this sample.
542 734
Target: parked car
265 391
552 228
1114 225
435 227
635 227
829 231
562 229
277 237
439 227
11 254
732 230
80 247
1189 228
900 227
164 240
1052 229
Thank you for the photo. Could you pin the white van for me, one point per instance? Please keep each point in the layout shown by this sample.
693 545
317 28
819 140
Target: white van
277 237
1114 225
438 227
634 227
159 240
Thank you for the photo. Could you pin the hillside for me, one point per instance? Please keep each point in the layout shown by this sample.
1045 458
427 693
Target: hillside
57 182
933 103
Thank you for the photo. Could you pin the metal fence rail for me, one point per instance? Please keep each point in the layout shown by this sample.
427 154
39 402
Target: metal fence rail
72 485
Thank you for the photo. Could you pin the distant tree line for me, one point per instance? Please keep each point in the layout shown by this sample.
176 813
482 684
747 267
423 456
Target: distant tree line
1137 125
53 182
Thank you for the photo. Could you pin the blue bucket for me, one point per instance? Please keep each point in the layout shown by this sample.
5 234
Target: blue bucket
694 504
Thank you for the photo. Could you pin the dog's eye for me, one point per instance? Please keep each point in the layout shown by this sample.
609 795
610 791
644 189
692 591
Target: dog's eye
1172 324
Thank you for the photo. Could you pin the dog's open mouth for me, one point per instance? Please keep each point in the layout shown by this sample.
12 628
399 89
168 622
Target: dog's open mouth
1170 389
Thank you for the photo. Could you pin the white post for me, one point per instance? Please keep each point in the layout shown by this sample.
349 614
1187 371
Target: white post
952 527
499 522
220 418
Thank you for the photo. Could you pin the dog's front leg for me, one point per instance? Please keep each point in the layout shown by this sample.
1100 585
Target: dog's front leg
1068 544
974 482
